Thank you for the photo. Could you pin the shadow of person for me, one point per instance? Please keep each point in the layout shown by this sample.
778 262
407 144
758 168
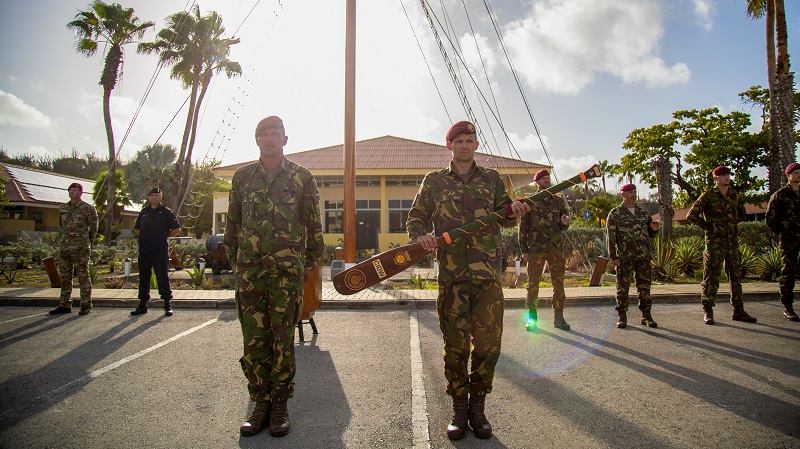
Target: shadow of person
28 394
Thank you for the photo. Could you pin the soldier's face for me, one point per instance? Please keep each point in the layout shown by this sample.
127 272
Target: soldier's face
544 182
463 147
75 193
722 180
629 196
271 142
794 176
155 198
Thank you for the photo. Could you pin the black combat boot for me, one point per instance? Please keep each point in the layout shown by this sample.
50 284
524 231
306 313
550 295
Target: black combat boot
141 308
740 315
167 307
708 314
647 319
60 309
257 420
622 319
558 320
477 418
532 319
788 312
279 418
458 426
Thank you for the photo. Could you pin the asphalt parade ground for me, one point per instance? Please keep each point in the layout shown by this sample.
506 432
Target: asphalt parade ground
374 378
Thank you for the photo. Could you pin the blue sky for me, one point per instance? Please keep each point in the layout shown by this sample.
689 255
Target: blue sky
592 71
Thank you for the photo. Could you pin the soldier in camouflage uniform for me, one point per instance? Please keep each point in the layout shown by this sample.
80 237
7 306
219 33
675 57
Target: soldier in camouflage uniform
273 238
540 239
77 221
718 212
630 230
783 217
470 301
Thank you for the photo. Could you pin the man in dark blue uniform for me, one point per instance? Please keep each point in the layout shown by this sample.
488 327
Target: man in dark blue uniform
154 225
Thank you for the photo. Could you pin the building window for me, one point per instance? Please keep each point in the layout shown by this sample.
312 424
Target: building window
398 215
369 211
368 181
334 217
405 180
329 181
38 217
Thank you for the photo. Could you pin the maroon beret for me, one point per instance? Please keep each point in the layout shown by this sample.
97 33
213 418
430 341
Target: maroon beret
792 167
75 184
541 174
462 127
269 122
721 170
627 187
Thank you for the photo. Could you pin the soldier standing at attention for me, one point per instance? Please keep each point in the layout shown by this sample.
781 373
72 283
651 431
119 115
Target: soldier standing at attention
718 212
783 217
273 239
540 239
154 225
77 221
470 301
630 230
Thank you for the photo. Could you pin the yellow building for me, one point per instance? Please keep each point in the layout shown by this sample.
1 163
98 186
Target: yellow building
389 171
35 196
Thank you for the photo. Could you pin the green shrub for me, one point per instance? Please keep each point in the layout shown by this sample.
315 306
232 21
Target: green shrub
749 260
688 256
757 236
663 255
770 264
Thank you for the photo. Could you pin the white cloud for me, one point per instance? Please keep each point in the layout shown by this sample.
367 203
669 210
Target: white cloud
563 45
703 10
478 56
15 112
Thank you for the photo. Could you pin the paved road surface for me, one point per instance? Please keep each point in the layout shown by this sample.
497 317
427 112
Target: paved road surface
373 379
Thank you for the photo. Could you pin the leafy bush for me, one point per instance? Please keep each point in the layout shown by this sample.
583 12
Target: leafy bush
749 260
770 264
688 256
757 236
682 231
196 275
189 252
663 255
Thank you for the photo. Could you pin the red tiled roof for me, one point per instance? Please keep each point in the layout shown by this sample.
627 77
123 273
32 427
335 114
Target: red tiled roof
389 152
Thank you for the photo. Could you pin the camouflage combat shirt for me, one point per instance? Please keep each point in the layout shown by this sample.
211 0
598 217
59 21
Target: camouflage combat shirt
541 229
783 214
718 215
630 237
78 225
274 223
445 201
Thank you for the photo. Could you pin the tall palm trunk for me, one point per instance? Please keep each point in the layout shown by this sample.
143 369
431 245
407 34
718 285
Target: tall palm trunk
663 170
187 166
109 81
784 86
177 198
775 176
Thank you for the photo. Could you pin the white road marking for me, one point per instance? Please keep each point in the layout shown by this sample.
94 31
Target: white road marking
419 403
96 373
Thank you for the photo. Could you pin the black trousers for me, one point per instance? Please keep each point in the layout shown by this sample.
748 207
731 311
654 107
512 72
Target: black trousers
159 263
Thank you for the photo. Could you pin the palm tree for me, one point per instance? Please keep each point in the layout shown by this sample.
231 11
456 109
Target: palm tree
114 26
781 88
150 167
605 170
195 48
120 201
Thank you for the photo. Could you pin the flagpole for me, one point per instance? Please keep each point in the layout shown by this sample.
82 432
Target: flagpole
349 218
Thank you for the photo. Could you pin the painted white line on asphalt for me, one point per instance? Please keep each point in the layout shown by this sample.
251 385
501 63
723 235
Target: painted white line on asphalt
96 373
419 403
23 318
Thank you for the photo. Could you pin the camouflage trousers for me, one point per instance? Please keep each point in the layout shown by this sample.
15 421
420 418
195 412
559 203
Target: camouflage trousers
714 257
790 253
77 260
268 316
470 317
555 260
642 272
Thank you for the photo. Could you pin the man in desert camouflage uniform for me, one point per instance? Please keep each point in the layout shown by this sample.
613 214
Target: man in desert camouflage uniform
77 221
470 301
630 231
718 212
540 239
783 217
273 238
